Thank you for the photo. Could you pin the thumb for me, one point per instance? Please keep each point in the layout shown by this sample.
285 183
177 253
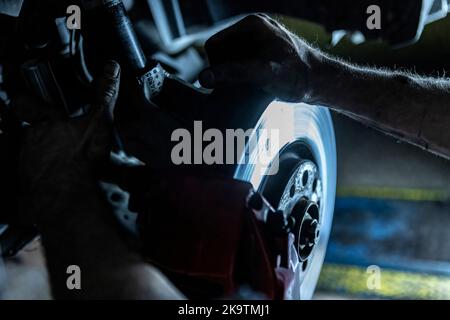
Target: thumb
107 90
97 135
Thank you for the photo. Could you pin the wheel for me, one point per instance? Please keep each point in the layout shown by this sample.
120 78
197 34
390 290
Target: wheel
303 168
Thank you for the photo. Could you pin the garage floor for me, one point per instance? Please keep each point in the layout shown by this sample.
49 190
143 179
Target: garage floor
392 212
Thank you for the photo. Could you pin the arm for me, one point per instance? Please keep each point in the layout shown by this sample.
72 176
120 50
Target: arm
412 108
59 193
259 51
86 235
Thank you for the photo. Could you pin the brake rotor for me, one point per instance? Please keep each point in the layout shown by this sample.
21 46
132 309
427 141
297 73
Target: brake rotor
303 184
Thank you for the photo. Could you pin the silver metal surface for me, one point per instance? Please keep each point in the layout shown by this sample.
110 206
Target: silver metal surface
313 126
153 81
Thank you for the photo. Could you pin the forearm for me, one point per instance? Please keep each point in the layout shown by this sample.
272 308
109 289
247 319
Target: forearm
411 108
86 236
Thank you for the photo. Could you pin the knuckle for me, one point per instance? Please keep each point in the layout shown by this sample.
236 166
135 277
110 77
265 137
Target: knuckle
253 18
263 16
258 22
109 89
109 93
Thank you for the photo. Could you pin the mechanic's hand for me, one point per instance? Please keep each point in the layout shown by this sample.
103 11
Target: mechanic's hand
59 156
258 51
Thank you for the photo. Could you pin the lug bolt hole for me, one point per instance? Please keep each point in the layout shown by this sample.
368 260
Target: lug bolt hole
305 178
314 186
292 191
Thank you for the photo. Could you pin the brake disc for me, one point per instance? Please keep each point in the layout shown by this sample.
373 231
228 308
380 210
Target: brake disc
305 162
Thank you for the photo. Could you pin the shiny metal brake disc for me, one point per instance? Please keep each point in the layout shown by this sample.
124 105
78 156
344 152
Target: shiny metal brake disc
305 168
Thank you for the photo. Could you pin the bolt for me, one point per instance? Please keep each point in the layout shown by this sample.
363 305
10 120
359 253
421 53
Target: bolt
310 234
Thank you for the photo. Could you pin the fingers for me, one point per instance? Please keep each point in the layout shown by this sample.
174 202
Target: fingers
283 81
254 73
249 52
250 24
257 51
239 41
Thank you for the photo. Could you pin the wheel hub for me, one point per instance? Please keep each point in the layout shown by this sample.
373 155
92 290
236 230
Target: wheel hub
301 200
307 227
309 234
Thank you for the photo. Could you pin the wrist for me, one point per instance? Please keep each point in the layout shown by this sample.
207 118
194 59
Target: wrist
323 72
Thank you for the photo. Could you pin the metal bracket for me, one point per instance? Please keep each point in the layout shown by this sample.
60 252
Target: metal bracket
152 81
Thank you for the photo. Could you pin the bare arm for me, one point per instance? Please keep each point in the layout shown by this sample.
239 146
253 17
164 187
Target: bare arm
259 51
86 235
412 108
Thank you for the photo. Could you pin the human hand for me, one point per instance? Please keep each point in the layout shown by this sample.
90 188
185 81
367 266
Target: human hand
258 51
59 156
